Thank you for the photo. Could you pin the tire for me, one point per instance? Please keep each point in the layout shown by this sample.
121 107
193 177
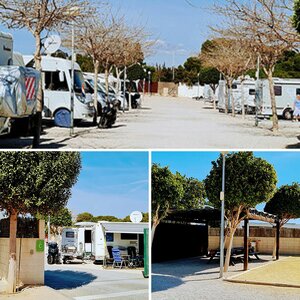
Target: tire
50 260
62 118
288 114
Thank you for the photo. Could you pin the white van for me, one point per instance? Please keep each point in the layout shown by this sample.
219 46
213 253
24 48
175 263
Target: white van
122 235
57 86
285 94
6 49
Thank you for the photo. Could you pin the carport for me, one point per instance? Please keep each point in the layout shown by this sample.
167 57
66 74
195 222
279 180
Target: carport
185 233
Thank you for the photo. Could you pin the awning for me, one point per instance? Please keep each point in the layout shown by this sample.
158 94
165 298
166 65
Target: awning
118 227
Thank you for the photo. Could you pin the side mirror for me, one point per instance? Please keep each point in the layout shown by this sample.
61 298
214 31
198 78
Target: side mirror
61 76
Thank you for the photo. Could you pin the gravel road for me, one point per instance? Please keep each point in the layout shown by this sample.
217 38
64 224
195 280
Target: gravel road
171 123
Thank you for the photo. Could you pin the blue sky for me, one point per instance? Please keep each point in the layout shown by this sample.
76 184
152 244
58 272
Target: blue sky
198 164
111 183
179 27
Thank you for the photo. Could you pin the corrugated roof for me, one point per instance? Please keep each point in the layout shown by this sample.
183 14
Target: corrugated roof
117 227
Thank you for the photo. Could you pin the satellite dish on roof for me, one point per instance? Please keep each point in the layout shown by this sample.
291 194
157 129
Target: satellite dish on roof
52 44
136 217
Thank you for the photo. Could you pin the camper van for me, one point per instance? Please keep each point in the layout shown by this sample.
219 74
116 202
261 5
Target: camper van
239 90
6 46
57 87
107 235
285 93
76 243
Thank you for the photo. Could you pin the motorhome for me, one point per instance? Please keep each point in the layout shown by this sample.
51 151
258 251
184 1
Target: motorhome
285 94
18 92
240 89
107 235
76 242
57 91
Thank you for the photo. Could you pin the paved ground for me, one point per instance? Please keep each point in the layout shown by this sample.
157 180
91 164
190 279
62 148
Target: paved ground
195 279
285 272
177 123
91 282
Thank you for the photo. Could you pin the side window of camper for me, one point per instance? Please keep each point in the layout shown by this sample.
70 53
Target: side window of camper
252 92
297 91
54 83
128 236
109 237
278 90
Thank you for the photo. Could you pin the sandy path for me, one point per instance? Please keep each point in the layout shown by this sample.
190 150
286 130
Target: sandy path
175 123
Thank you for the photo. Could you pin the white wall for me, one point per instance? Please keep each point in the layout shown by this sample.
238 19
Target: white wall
190 91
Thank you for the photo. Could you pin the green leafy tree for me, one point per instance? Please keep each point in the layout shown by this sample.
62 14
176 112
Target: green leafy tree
62 218
34 183
296 16
285 205
210 76
167 191
106 218
85 217
193 192
249 181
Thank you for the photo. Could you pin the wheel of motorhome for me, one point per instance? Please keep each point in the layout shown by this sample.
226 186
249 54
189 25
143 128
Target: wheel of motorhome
62 118
288 114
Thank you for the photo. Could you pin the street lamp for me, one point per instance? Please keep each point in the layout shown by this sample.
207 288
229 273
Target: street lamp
144 83
149 83
222 198
73 11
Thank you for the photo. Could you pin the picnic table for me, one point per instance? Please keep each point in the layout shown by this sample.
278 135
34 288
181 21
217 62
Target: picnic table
237 255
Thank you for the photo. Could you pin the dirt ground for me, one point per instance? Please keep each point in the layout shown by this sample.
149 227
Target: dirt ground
285 272
170 123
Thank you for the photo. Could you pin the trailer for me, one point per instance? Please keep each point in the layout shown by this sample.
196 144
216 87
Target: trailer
285 95
76 243
106 235
240 89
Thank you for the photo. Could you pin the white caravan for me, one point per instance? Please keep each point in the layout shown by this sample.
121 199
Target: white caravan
239 90
6 49
76 242
285 94
122 235
57 86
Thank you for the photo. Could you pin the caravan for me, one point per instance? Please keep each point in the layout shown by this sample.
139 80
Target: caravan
57 86
76 243
107 235
285 94
239 90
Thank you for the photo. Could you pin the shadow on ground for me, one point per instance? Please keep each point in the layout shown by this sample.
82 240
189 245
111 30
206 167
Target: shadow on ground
294 146
63 279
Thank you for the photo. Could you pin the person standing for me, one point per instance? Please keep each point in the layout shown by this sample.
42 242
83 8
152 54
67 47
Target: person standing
296 113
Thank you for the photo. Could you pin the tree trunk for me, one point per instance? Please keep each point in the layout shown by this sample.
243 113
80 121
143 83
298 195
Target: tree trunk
107 84
12 269
153 229
243 99
275 126
228 251
232 99
226 98
96 68
40 97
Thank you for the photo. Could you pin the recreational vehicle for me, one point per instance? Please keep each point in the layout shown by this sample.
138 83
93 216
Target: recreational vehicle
240 89
76 242
57 86
107 235
285 94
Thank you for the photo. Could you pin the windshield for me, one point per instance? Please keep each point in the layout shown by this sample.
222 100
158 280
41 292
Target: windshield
79 84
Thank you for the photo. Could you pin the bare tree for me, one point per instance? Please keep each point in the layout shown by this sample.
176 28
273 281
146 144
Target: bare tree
267 25
232 58
38 17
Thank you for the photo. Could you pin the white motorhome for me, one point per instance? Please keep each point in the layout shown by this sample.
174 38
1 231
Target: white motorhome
6 49
57 86
246 89
285 94
122 235
76 242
